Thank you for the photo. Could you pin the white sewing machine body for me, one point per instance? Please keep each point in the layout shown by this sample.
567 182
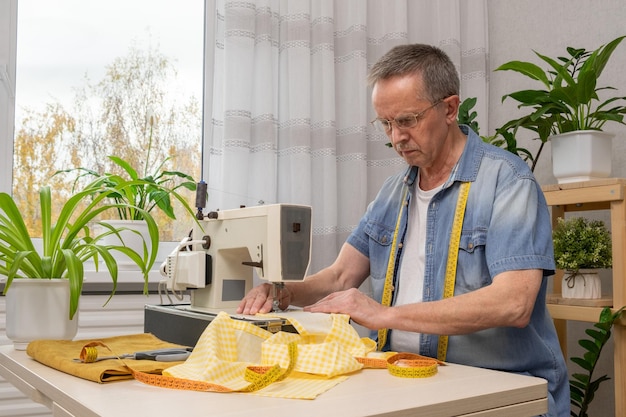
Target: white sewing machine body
274 240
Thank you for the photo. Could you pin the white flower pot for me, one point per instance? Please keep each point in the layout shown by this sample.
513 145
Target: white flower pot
582 284
133 238
39 309
581 156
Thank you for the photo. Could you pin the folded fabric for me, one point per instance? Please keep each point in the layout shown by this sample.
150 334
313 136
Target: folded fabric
60 355
312 361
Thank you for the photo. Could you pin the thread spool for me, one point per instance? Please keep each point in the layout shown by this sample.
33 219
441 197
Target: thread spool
201 192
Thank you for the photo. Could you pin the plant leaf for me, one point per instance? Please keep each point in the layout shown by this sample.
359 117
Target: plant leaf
75 275
526 68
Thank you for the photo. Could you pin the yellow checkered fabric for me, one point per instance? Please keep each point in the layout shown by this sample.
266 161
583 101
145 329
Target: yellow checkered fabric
327 344
326 349
223 352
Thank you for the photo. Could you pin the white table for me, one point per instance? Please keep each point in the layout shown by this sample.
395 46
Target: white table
456 390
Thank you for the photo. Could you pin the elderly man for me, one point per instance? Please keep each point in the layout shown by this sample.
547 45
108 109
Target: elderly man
458 245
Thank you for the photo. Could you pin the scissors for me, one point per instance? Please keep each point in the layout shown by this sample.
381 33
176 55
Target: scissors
160 355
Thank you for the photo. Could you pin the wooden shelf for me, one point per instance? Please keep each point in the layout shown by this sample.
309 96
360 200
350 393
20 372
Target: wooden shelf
571 312
581 302
605 194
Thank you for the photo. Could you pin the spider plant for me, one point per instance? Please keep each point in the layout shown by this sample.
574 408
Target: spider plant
67 240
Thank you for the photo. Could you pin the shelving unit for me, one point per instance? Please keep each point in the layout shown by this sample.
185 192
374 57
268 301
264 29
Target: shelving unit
606 194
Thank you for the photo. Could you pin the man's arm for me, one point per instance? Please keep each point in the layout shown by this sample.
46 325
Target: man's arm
349 270
508 301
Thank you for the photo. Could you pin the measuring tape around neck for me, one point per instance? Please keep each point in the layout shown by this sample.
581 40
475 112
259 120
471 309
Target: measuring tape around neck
450 278
388 286
453 255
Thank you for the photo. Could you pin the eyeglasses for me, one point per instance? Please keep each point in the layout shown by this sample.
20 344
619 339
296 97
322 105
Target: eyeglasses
402 121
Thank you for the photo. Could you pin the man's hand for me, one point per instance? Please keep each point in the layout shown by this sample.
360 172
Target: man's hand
361 308
260 299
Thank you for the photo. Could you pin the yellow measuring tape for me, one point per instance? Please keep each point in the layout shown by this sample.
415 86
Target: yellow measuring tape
450 278
258 377
388 287
453 256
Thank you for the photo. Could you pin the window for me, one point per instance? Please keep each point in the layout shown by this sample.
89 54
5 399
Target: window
90 76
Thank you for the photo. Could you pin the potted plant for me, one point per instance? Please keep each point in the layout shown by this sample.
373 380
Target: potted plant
568 108
583 386
581 246
147 193
67 243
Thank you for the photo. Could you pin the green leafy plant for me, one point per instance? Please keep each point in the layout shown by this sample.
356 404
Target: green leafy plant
466 115
580 243
147 192
569 99
503 138
583 386
68 241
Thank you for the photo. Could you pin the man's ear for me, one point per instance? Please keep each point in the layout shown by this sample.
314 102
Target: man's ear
452 107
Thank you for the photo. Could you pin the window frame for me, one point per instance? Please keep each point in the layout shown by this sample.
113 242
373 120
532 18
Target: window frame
8 54
8 61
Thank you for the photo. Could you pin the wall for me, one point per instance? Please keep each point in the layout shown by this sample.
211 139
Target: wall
516 28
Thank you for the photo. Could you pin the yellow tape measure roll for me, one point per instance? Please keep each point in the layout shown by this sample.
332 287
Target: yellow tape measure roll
403 364
408 365
89 354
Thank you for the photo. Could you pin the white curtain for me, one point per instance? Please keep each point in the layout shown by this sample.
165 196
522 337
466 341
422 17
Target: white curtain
287 108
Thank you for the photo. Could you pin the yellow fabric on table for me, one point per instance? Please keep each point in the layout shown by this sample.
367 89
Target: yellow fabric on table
60 355
327 343
227 347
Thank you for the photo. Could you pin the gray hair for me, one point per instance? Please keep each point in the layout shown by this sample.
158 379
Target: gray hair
438 73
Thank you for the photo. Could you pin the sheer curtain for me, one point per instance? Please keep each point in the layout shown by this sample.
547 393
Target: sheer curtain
287 108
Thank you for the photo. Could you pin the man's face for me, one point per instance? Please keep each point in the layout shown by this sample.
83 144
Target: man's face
424 124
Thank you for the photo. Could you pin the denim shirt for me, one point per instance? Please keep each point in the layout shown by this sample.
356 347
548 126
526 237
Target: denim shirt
506 227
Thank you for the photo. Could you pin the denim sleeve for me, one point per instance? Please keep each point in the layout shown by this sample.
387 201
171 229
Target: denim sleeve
358 237
520 230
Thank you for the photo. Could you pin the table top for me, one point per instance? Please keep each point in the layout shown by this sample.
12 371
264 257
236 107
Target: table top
455 390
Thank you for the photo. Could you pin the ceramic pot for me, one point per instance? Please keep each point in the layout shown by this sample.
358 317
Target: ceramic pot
581 156
39 309
582 284
134 235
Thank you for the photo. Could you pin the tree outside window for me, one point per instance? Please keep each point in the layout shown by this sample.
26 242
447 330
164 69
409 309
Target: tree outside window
134 100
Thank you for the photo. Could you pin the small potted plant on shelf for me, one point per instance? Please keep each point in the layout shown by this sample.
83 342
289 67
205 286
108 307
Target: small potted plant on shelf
581 247
568 110
43 285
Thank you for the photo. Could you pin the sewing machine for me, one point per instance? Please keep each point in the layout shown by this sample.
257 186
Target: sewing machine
216 263
273 240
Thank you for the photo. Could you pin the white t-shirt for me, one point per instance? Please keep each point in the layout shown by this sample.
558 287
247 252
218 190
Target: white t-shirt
410 281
